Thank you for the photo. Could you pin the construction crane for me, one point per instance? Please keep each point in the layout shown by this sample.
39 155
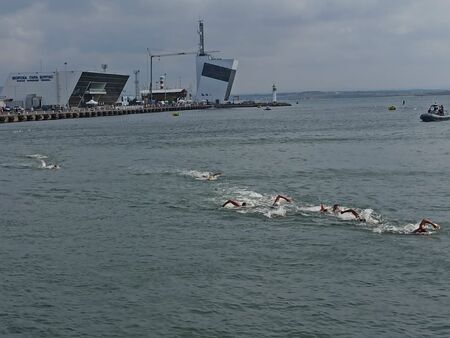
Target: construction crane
151 56
136 83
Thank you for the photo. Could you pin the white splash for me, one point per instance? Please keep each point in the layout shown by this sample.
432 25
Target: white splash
37 156
280 211
256 203
200 175
387 227
373 221
44 165
309 208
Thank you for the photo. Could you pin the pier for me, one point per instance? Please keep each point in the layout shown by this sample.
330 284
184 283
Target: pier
11 117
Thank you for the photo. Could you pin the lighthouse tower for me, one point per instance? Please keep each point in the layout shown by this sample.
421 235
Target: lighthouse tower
274 93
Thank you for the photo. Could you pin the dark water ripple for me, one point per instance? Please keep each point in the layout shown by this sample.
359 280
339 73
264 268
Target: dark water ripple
128 239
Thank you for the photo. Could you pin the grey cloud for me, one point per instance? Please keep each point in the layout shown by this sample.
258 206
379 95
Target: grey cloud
300 44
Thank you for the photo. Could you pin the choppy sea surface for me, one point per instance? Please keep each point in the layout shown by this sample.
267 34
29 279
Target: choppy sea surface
128 239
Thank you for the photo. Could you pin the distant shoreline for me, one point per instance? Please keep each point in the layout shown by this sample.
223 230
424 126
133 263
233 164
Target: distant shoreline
307 95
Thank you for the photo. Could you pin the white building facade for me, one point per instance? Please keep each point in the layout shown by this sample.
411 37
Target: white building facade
215 77
62 88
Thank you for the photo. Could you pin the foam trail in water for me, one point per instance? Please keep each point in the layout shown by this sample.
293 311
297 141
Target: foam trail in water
17 165
37 156
373 221
310 208
367 214
256 203
263 204
43 164
370 216
280 211
387 227
199 175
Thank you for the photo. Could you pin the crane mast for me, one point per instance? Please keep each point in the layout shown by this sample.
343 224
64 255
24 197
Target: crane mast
202 38
151 56
201 52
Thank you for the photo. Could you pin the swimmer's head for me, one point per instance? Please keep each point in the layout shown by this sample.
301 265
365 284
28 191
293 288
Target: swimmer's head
244 204
336 207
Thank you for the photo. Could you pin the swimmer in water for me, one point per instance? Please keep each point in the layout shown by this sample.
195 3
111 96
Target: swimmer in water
235 203
281 197
337 210
49 166
423 226
213 177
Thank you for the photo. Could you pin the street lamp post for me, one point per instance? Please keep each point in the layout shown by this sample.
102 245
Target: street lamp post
151 75
151 78
165 87
67 93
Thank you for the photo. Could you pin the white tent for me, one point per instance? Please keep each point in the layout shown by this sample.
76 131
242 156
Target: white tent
91 102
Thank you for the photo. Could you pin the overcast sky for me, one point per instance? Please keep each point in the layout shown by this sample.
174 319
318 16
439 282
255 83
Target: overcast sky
298 44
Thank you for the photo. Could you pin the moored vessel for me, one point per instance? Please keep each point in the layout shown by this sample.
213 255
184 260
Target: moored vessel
435 113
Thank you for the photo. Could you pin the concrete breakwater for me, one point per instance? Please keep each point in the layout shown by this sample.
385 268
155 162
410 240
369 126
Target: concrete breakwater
252 104
93 112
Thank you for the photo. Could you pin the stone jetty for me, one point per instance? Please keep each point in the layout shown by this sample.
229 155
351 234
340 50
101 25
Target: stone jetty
9 117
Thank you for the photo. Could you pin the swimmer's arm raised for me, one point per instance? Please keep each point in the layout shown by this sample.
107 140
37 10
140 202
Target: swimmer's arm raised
357 216
236 204
426 221
281 197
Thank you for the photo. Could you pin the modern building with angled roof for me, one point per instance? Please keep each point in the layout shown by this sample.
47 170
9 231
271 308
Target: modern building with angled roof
215 76
63 88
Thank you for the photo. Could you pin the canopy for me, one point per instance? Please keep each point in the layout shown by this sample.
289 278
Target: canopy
92 102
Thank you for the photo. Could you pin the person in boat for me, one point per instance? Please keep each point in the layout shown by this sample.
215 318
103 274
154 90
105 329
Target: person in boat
337 210
441 110
423 226
234 203
281 197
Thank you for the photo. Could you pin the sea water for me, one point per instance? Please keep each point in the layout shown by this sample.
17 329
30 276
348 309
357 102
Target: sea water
128 238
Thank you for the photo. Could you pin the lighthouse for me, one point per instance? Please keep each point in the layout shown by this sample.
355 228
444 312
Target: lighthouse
274 93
